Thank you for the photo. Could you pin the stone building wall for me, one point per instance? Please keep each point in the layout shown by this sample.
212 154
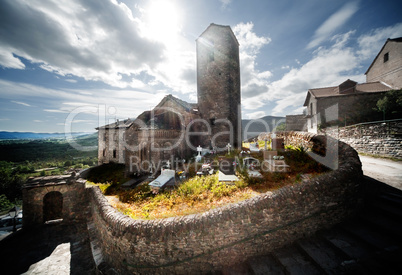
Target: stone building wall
380 138
73 200
348 109
111 145
224 236
151 147
389 71
296 123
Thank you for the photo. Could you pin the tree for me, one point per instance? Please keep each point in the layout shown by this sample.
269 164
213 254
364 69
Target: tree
391 104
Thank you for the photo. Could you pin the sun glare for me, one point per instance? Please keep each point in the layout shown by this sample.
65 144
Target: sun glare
162 19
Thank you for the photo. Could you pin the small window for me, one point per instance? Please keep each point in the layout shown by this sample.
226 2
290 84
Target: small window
386 57
114 153
212 121
104 152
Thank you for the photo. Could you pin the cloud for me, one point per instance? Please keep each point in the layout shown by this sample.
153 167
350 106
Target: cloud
21 103
225 3
127 103
37 121
333 23
253 81
328 67
71 80
95 40
8 60
256 115
371 43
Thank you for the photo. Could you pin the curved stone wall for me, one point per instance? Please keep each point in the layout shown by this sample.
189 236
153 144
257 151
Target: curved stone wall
221 237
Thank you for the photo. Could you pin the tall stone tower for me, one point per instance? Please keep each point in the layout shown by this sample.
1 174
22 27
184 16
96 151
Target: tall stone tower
218 84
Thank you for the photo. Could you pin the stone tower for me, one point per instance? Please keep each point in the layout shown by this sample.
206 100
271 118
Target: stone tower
218 85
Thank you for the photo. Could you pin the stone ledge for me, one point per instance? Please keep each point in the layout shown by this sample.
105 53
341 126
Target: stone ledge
220 237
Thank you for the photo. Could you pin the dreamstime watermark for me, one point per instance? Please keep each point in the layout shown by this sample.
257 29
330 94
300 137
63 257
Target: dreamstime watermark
115 134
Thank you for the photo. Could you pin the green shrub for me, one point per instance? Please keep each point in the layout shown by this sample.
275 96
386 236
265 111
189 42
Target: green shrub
5 204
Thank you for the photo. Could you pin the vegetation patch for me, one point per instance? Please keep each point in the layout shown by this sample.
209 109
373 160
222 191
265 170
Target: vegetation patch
202 193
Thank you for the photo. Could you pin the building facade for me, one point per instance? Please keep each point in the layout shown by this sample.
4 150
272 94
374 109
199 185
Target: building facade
387 65
346 104
350 102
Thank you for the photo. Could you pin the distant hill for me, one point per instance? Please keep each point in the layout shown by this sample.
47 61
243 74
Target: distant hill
257 126
30 135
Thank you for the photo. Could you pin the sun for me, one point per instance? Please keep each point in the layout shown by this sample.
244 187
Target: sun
162 20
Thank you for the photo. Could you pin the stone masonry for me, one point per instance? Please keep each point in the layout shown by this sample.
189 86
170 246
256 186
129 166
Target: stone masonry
379 138
219 238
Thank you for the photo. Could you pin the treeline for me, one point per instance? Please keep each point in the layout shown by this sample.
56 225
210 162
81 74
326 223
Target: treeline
43 150
21 159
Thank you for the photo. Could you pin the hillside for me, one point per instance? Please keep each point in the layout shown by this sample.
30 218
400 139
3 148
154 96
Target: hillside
256 126
47 149
31 135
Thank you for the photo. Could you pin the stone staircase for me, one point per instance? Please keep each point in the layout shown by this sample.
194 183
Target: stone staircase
369 243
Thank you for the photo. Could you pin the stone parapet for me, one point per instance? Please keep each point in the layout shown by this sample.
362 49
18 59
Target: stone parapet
383 139
221 237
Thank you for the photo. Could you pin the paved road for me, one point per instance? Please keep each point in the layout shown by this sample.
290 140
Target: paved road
384 170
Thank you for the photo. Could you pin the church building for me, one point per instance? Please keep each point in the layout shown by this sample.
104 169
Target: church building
175 128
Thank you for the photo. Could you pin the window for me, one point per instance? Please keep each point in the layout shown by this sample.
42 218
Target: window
104 152
386 57
114 153
212 121
311 108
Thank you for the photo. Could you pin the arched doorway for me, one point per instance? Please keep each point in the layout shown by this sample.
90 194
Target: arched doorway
52 206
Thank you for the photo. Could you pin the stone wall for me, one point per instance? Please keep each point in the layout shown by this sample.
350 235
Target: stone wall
73 199
296 123
388 71
224 236
380 138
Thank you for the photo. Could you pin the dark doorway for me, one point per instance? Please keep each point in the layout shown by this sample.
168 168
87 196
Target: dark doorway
52 206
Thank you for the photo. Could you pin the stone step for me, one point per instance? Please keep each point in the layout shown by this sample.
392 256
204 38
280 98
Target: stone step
383 224
386 209
358 251
265 265
295 262
391 198
366 234
322 253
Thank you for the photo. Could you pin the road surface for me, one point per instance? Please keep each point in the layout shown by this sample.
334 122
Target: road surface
384 170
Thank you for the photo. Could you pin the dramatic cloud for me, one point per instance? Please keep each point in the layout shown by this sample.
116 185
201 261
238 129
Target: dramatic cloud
372 42
333 23
108 103
328 67
253 81
96 40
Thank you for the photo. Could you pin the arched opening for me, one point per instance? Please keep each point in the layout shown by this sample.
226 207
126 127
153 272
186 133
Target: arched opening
52 206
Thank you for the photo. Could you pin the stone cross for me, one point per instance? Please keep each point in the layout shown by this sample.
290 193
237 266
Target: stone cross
199 149
168 164
229 146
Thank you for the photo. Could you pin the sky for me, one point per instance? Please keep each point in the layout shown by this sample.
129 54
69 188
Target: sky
75 65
